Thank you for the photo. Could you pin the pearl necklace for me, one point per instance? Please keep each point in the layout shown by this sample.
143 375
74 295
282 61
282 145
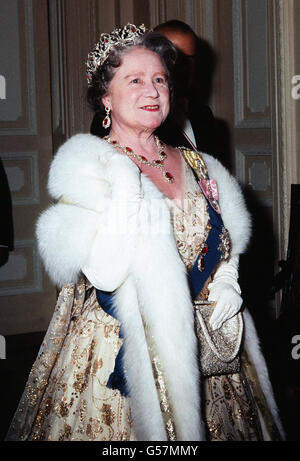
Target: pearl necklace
142 159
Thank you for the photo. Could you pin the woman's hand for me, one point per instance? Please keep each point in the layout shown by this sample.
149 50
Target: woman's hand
228 303
225 291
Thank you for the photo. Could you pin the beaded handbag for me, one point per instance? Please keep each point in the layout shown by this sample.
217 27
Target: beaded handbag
219 349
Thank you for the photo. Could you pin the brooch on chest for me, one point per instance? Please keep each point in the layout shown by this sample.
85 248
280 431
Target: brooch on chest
210 191
208 186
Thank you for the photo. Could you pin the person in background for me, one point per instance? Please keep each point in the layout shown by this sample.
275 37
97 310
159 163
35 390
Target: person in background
6 227
191 122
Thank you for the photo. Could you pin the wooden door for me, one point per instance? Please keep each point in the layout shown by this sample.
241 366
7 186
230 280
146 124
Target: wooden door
27 297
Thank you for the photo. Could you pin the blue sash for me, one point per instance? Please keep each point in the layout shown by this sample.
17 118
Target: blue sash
116 379
214 254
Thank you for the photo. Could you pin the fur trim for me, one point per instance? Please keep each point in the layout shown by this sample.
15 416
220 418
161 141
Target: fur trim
235 216
63 241
87 170
95 194
253 347
164 294
147 419
78 171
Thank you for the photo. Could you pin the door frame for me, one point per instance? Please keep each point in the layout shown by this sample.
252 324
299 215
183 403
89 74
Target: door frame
283 109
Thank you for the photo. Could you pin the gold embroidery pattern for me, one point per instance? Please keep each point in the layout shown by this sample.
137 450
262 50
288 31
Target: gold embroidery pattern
259 397
195 160
164 399
66 397
161 386
190 223
225 245
230 410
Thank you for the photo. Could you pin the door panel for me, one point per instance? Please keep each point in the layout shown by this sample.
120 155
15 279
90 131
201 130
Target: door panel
26 295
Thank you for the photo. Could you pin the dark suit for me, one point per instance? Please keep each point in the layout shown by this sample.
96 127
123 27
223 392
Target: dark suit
211 134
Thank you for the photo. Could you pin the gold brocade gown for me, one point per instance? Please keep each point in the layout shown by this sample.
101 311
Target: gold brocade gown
66 397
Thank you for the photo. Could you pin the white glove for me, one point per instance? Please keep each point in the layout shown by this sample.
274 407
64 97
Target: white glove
110 256
225 291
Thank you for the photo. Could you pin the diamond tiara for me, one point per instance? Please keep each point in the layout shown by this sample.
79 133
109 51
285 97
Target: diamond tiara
107 42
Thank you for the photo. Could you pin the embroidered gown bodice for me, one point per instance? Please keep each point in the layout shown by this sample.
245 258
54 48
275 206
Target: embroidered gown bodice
189 218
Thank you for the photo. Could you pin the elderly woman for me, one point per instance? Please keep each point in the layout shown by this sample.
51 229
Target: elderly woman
146 341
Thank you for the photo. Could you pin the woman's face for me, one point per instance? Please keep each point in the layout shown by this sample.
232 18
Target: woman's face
138 94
